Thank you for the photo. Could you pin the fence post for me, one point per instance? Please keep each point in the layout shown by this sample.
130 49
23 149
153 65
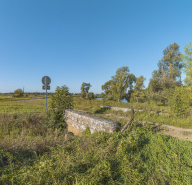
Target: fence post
132 114
132 119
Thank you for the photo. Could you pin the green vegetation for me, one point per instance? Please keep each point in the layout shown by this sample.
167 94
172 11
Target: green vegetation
18 93
85 89
31 153
187 62
12 98
150 113
59 101
35 147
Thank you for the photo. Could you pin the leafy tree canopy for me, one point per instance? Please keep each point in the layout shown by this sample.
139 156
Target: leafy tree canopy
187 62
169 70
85 89
117 86
18 93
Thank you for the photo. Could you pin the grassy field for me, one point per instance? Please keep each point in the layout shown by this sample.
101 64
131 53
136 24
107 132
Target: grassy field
22 107
31 153
10 98
93 107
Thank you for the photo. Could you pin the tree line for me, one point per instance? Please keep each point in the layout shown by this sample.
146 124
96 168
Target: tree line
163 82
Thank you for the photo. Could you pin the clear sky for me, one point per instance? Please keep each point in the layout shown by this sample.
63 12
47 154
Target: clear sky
76 41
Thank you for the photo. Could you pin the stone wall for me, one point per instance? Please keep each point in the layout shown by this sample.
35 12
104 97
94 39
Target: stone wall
128 109
120 108
77 123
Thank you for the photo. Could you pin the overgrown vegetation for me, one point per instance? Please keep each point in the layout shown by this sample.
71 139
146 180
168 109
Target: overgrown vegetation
59 101
31 153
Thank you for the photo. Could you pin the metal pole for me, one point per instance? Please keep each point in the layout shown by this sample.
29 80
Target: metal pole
46 91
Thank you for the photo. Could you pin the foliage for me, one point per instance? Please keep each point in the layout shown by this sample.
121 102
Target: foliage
169 72
107 91
179 102
18 93
86 131
85 89
138 94
60 101
90 96
187 62
117 86
36 155
119 83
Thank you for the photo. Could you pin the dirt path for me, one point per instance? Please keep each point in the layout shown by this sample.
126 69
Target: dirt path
32 99
176 132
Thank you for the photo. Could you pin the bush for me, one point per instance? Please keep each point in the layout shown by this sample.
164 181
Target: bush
90 95
180 101
86 131
18 93
60 101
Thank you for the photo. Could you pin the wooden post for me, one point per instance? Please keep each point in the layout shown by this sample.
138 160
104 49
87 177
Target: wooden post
132 119
132 114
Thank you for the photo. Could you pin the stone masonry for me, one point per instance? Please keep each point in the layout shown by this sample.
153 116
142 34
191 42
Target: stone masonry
119 108
77 122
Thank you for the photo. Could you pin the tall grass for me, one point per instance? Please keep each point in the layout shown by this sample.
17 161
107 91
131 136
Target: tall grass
30 153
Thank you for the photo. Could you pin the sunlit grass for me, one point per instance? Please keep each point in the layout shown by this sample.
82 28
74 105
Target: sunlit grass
24 106
30 153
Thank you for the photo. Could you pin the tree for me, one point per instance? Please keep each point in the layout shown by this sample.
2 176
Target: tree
118 84
172 60
90 95
138 91
187 62
131 81
107 91
85 89
18 93
60 101
169 73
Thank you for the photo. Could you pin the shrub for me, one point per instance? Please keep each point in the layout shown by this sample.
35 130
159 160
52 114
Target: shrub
86 131
179 101
60 101
18 93
90 95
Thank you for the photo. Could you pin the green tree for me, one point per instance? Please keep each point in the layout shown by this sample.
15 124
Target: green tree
131 81
172 61
138 94
85 89
18 93
187 62
169 72
119 83
167 76
60 101
90 95
107 91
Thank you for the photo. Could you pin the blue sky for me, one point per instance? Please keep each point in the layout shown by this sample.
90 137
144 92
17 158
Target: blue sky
76 41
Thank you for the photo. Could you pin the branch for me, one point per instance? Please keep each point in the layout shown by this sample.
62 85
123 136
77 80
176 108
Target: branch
126 125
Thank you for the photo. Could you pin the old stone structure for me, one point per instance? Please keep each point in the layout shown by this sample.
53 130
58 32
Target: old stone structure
119 108
77 123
